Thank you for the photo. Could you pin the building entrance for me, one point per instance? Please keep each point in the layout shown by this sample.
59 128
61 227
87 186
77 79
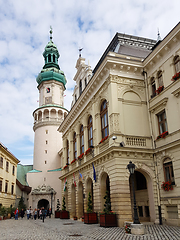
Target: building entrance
43 203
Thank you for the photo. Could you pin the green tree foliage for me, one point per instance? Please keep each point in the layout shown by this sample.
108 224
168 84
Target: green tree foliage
90 204
107 204
58 205
21 204
64 204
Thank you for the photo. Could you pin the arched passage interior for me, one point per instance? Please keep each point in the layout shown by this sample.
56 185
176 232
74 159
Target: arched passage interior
43 203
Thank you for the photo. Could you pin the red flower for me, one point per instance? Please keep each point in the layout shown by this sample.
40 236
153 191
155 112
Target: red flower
87 151
80 156
176 76
102 140
167 186
162 135
73 161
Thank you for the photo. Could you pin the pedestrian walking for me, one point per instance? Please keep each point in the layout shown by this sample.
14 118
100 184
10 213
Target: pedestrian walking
43 213
32 213
28 213
38 215
35 214
22 213
16 213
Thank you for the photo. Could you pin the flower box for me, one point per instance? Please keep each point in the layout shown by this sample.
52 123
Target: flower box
162 135
64 214
87 151
167 186
81 156
176 76
108 220
102 140
57 214
73 161
160 89
90 218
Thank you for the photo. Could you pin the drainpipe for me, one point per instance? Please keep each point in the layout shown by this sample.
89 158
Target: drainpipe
154 147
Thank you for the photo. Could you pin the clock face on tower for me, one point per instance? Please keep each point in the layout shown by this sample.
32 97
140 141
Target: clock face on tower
48 90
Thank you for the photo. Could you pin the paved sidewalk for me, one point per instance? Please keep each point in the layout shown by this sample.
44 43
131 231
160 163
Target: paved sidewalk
69 229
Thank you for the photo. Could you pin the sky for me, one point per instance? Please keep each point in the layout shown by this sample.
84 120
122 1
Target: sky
87 24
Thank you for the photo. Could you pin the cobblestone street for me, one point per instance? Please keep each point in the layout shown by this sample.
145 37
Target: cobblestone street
69 229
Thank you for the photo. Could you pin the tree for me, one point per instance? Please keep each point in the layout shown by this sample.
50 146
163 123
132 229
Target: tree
21 204
64 204
107 204
58 205
90 204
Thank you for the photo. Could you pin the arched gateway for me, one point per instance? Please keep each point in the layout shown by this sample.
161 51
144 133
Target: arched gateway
43 196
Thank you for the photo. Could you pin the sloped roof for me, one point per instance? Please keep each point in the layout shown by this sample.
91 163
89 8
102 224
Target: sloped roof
22 170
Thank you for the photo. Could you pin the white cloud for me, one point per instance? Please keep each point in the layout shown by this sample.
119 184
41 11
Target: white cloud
90 24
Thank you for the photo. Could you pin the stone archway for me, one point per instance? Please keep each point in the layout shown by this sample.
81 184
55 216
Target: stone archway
89 189
73 200
80 200
43 203
105 186
144 196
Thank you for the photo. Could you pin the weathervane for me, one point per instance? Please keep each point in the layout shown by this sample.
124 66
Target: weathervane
80 49
51 31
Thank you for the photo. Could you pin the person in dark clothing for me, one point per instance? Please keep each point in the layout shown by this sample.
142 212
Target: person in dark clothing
43 213
22 213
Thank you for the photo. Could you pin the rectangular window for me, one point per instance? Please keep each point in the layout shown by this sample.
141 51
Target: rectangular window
12 189
1 162
162 122
13 170
7 166
6 187
168 172
0 185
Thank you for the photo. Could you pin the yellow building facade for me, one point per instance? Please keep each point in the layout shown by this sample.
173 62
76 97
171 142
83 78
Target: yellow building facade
8 173
126 109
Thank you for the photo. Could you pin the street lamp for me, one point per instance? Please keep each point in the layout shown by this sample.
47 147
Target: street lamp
51 200
131 168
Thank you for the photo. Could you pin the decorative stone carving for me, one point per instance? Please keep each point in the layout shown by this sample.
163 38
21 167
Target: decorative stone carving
43 190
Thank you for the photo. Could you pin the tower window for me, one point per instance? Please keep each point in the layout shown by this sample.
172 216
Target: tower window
0 185
46 141
46 131
49 58
54 59
45 162
46 151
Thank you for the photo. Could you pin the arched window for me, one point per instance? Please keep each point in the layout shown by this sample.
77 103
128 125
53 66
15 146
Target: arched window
160 79
67 152
104 119
54 58
49 58
80 87
177 63
75 146
90 132
168 171
81 139
153 87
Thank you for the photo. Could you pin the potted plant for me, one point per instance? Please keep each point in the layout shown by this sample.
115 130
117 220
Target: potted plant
107 217
127 228
63 213
57 212
90 217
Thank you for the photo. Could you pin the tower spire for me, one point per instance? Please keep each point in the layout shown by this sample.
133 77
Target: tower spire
51 31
